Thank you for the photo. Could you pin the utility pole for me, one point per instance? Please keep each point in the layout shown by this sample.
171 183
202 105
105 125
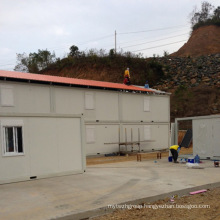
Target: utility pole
115 43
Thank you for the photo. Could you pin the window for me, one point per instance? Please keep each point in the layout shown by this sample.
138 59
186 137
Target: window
12 138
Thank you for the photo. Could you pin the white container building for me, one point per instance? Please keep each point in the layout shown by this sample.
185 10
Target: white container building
49 124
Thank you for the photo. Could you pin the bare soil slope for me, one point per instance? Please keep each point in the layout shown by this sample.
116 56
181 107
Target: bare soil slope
203 41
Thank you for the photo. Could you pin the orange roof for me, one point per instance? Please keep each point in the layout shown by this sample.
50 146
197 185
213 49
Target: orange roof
69 81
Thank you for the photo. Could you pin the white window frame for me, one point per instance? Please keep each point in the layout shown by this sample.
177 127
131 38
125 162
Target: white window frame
14 124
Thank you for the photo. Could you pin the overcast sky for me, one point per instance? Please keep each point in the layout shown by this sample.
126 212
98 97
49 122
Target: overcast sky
142 26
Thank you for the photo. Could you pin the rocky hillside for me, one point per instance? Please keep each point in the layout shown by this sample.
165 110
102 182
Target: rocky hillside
190 72
194 84
192 75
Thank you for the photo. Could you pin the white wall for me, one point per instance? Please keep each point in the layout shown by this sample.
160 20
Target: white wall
102 134
52 146
28 98
110 134
68 100
107 106
158 134
206 138
111 108
133 108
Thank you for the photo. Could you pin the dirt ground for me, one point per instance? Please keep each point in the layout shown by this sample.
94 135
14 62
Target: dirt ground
203 206
131 157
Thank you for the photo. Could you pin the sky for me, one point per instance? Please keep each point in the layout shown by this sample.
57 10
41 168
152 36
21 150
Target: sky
149 27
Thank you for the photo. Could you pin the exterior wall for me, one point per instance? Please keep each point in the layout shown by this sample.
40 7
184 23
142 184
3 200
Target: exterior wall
28 98
52 146
158 134
206 138
103 133
110 111
107 106
133 108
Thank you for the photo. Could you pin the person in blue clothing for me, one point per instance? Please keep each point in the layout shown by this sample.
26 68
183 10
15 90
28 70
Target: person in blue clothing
146 85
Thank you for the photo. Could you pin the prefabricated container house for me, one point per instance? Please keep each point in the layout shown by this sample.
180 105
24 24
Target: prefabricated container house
48 124
206 135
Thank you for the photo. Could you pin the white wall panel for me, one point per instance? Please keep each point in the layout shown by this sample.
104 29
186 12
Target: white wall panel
68 100
202 132
107 106
52 146
104 134
206 138
216 137
139 107
28 98
159 134
6 95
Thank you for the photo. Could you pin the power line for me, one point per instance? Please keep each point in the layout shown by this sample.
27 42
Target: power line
158 46
108 36
135 50
155 40
159 29
142 38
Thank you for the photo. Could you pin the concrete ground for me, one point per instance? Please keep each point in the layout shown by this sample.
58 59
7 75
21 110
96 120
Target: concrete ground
100 186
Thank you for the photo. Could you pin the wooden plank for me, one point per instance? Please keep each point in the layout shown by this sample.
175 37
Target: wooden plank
130 142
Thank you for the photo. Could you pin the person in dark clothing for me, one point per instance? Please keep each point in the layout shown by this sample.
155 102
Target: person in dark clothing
174 149
127 81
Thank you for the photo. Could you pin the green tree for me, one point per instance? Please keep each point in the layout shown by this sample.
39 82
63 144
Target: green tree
206 10
112 53
74 51
34 62
216 15
165 53
208 15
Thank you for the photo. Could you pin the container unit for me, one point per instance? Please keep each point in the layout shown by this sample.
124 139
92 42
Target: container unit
206 138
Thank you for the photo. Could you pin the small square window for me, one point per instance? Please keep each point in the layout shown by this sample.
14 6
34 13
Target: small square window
13 140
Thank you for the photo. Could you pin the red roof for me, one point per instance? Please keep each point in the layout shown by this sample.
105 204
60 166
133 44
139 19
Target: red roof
69 81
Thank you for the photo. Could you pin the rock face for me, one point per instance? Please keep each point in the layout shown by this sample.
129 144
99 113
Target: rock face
203 41
190 72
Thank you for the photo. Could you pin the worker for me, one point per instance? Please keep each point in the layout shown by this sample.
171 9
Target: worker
146 85
127 74
127 77
127 81
174 149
